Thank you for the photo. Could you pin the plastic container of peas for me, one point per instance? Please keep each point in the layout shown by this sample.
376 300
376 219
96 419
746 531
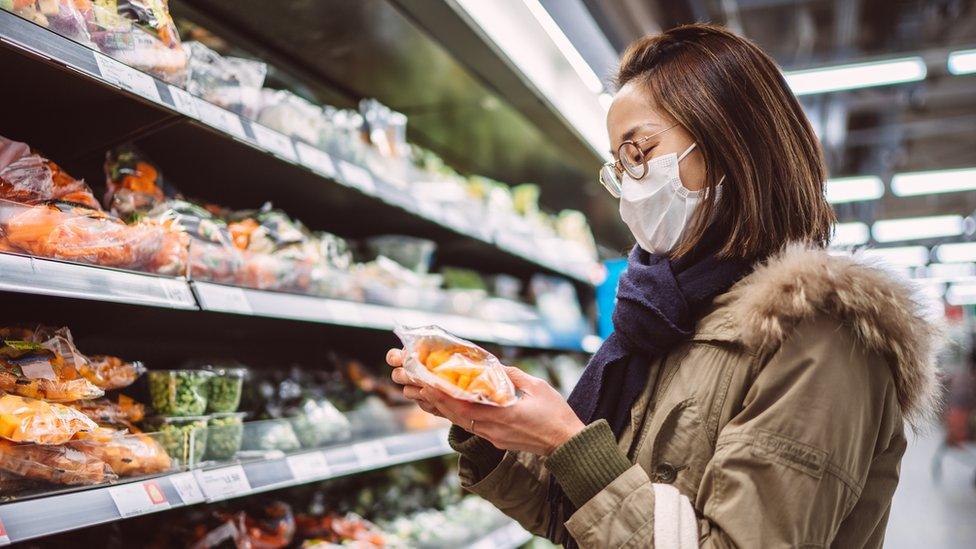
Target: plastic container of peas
225 432
224 388
179 392
184 437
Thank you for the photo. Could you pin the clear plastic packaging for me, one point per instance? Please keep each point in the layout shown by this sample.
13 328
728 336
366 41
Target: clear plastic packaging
413 253
31 420
54 464
225 433
127 454
224 388
111 372
456 366
179 392
29 178
318 423
105 411
60 230
271 434
65 17
231 82
29 369
141 34
183 438
133 184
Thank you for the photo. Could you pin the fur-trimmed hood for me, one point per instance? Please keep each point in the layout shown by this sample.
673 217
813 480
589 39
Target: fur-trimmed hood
885 313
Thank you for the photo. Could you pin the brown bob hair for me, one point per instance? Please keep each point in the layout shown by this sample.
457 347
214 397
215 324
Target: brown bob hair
749 126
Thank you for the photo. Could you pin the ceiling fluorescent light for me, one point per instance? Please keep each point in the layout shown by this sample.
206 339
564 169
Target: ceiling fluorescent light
934 182
849 234
917 228
854 189
962 62
961 294
858 75
907 256
556 34
961 252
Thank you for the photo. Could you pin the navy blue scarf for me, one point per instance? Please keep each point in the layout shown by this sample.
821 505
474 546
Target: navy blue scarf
659 302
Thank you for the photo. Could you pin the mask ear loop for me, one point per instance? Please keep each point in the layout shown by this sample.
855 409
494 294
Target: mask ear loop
688 150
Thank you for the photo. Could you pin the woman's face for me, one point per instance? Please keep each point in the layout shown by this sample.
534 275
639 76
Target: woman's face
634 115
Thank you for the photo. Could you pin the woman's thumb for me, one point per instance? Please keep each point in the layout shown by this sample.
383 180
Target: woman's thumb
519 378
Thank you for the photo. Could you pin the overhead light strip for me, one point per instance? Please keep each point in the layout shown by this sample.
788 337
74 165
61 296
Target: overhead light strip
962 62
934 182
961 252
854 189
856 75
906 256
849 234
917 228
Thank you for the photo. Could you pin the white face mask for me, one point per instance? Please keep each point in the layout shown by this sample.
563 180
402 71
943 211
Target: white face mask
658 209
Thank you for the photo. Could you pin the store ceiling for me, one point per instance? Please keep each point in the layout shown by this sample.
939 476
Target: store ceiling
880 131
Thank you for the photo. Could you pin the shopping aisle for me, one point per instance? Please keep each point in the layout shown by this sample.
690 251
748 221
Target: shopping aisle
930 514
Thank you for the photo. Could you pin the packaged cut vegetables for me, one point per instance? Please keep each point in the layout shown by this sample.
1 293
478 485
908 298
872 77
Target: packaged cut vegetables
31 420
55 464
126 454
105 411
184 438
456 366
30 178
141 34
31 370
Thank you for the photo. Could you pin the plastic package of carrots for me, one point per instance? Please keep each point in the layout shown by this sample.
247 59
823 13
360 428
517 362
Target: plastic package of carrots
456 366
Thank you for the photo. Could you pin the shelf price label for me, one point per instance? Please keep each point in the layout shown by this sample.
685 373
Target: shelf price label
184 102
127 78
219 118
138 498
188 489
357 176
275 142
227 299
4 536
223 483
315 160
176 291
370 453
308 466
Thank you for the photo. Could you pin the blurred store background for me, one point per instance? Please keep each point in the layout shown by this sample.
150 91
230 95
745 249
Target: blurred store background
335 167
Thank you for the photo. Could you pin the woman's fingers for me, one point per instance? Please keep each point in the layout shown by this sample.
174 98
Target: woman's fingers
520 379
394 357
460 412
427 407
399 375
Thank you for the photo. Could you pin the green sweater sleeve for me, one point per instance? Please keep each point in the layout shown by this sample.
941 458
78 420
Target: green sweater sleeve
482 454
587 463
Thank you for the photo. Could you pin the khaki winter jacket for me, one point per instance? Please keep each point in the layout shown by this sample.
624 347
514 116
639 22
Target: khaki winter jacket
780 423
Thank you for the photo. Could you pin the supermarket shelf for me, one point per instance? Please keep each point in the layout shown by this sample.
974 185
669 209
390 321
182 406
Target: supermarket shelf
23 274
510 536
199 144
32 518
243 301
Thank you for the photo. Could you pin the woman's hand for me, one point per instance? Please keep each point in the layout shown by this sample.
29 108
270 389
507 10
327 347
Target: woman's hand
538 423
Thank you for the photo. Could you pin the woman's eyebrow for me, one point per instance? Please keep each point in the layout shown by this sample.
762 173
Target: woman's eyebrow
629 134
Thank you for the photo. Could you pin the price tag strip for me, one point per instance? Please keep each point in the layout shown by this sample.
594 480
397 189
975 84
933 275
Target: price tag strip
357 176
127 78
370 454
275 142
184 102
4 537
138 498
188 489
219 118
226 299
315 160
307 466
223 483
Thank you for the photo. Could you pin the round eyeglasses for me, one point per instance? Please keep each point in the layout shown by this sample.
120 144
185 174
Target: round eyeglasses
631 159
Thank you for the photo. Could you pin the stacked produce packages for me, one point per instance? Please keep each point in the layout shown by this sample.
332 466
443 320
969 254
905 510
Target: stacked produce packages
55 426
139 33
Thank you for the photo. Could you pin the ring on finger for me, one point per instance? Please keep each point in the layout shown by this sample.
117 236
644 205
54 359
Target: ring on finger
471 428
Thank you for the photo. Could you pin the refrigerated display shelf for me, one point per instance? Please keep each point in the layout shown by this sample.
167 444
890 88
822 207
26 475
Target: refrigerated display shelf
30 275
172 109
33 518
510 536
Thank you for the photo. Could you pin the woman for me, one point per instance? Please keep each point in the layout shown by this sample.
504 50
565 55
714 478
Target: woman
754 390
